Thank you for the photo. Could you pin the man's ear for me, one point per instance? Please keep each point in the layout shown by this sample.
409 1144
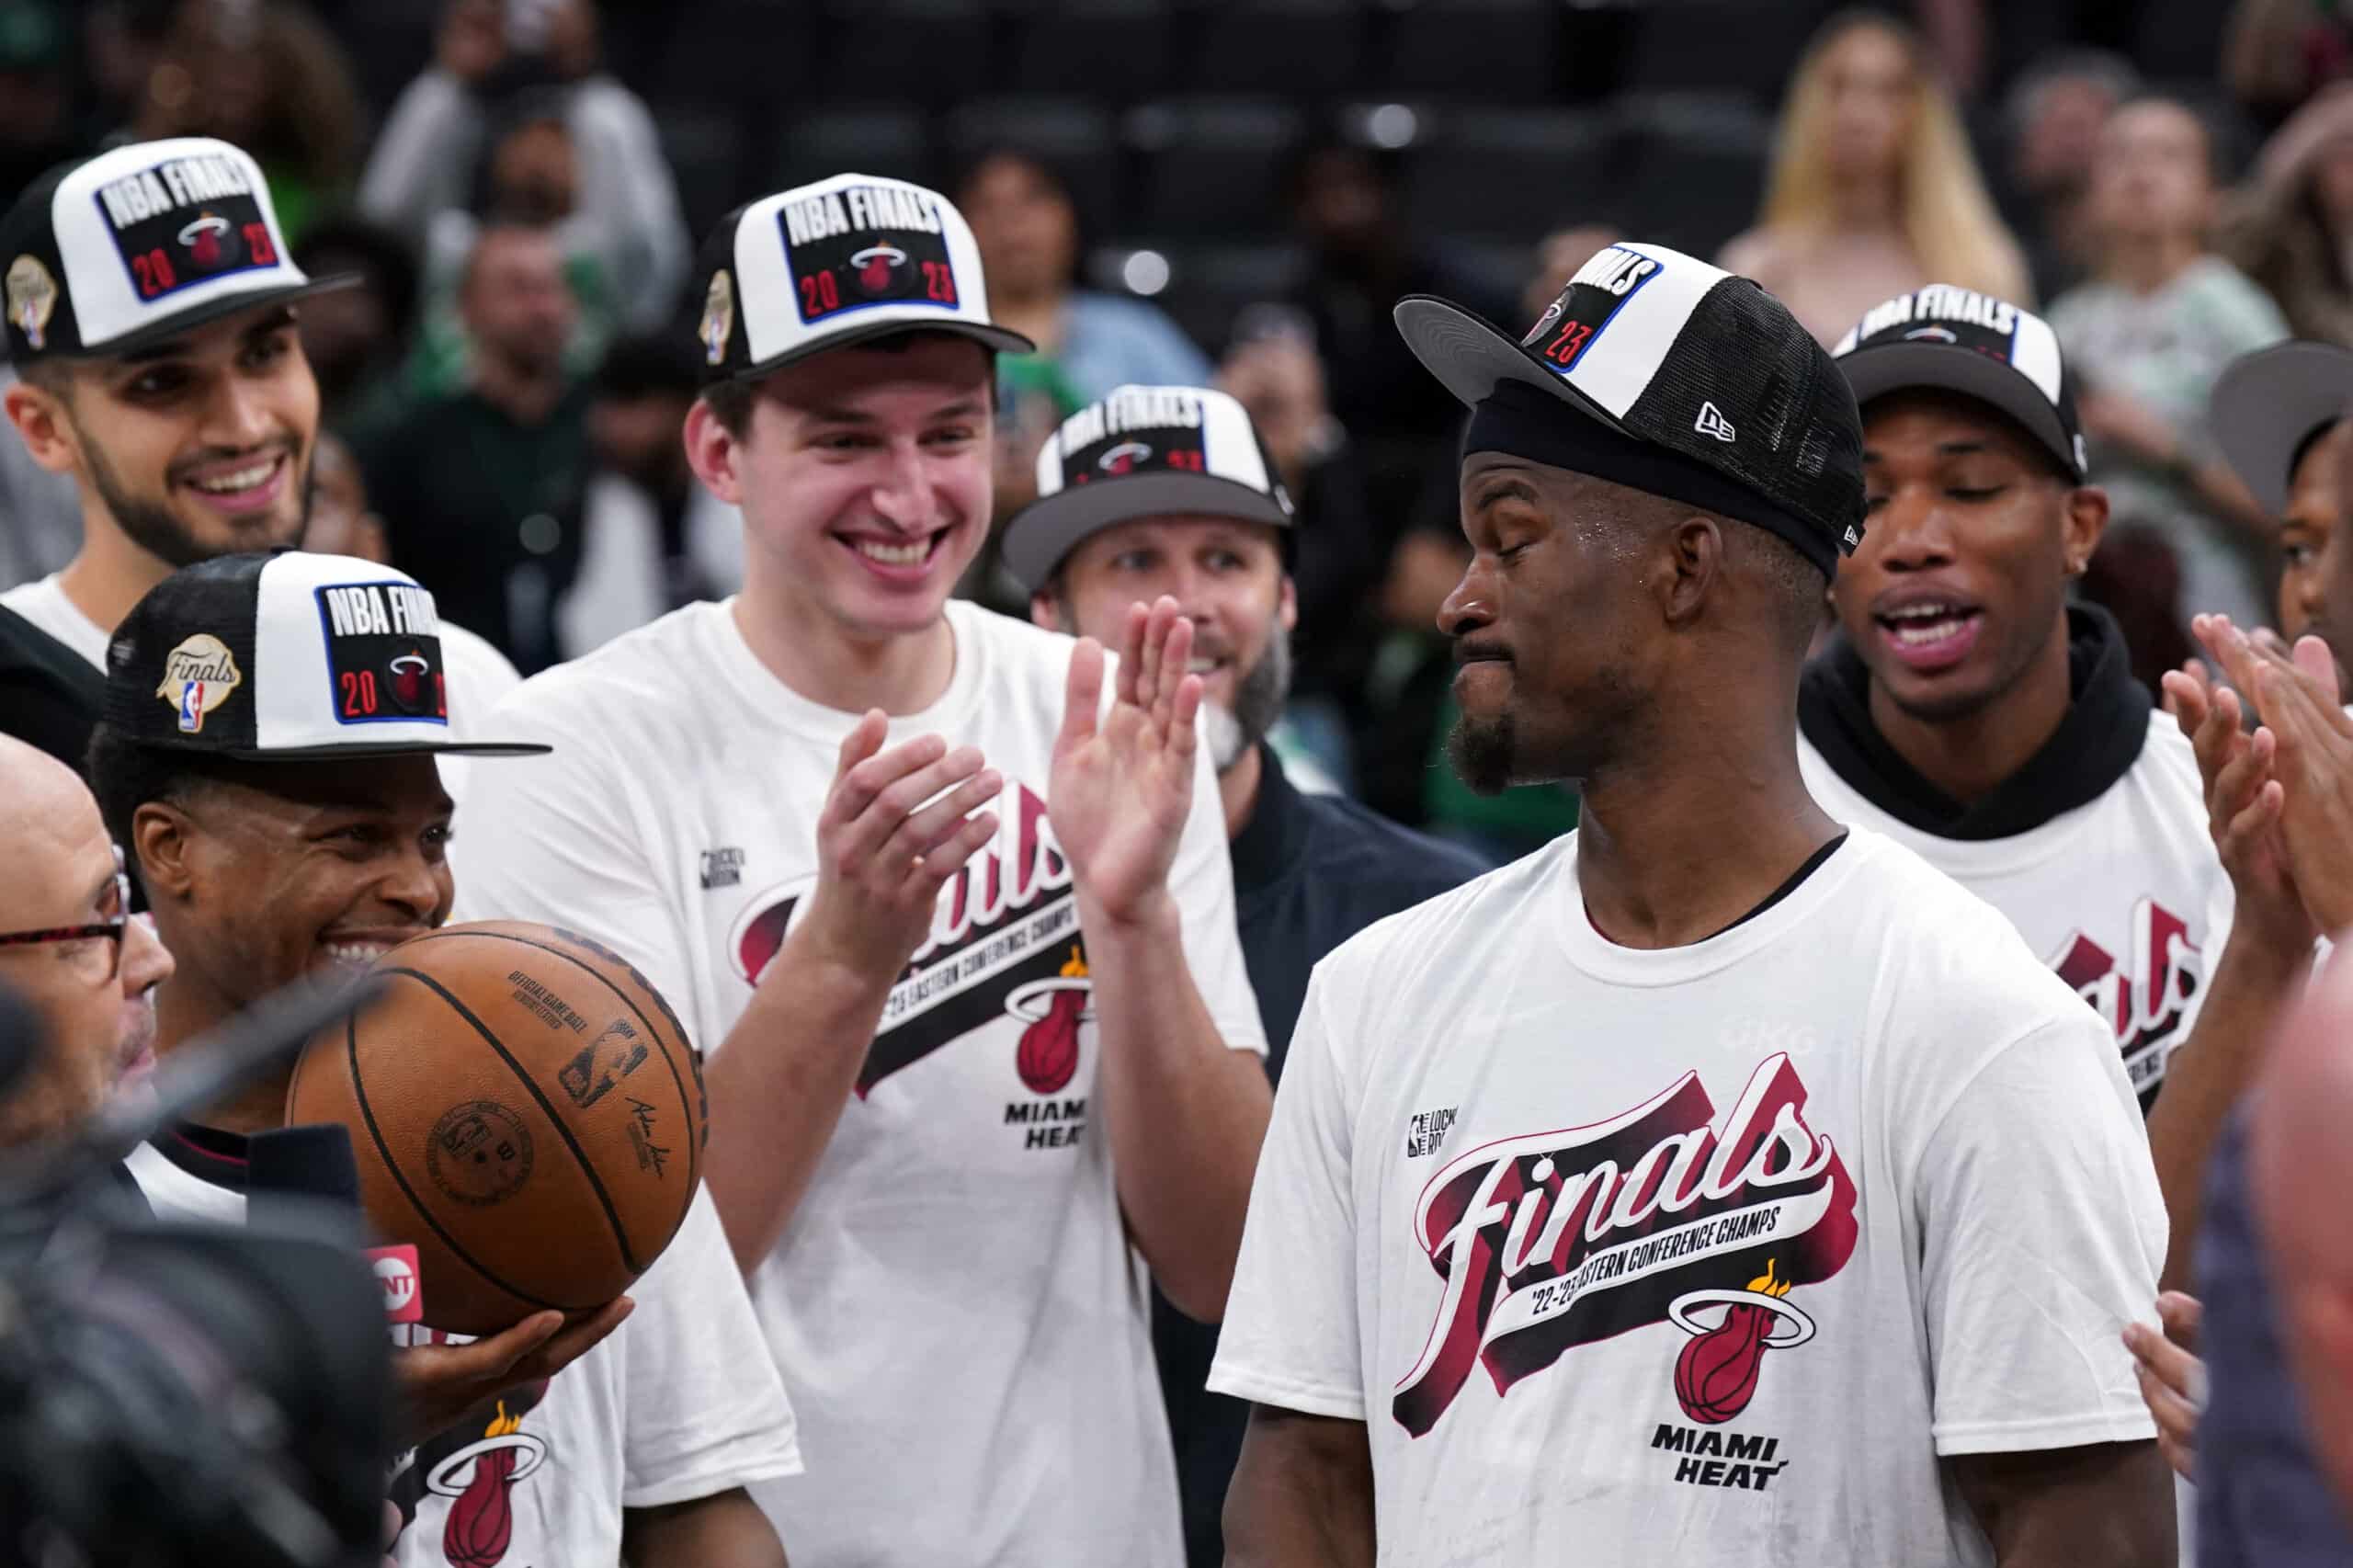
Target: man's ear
163 846
1691 557
42 423
1287 606
711 451
2087 521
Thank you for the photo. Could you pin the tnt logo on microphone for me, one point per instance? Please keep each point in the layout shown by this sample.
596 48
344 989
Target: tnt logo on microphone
395 1270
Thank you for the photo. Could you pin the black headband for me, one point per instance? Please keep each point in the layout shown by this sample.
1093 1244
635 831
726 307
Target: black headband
1528 422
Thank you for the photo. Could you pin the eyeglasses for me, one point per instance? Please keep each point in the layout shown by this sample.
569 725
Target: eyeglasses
109 928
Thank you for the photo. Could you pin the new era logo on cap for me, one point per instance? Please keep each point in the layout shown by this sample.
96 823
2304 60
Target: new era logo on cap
1143 452
144 239
1954 339
838 262
284 655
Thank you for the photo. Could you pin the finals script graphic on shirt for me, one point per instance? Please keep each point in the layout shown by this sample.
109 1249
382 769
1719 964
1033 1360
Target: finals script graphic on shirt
1664 1212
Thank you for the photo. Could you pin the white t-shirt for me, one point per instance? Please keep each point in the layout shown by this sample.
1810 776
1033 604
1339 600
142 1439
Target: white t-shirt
959 1318
1701 1255
679 1403
2117 896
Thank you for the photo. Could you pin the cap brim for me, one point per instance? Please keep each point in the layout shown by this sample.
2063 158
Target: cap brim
211 310
1903 367
1046 531
1471 355
355 752
2267 403
1001 340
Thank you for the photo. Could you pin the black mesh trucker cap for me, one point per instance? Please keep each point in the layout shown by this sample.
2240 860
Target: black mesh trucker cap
1957 340
843 261
286 657
1142 452
1663 347
113 253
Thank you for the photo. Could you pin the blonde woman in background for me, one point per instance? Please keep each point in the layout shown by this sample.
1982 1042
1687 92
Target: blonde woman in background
1874 190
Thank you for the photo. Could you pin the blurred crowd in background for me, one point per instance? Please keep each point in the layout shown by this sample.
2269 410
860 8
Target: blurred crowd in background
1227 192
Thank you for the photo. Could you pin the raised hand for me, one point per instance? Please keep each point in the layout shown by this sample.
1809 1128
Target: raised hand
1122 783
2297 696
2244 801
895 826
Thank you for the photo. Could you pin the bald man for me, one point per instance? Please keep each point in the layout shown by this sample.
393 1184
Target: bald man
68 946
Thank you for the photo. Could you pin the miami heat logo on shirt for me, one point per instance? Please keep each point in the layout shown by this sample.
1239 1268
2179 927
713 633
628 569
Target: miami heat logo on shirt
1664 1213
1004 941
2142 994
476 1465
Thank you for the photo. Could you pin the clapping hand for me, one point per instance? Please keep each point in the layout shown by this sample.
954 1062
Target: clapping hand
1122 783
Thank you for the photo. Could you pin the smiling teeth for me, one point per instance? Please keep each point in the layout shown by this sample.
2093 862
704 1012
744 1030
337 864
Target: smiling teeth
1923 612
1920 636
362 954
894 554
243 479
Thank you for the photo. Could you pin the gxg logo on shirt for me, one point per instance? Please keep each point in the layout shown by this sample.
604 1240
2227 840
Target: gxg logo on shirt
1666 1212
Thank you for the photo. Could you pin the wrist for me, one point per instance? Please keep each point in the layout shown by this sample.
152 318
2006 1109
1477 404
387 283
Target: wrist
1153 918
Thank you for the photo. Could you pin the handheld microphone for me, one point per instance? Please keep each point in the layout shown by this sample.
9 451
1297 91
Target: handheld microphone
303 1179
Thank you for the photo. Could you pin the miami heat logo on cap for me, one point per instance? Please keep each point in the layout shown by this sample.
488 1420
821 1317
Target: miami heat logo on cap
1597 293
875 264
409 681
188 220
208 241
383 648
864 246
32 299
1124 457
1715 1374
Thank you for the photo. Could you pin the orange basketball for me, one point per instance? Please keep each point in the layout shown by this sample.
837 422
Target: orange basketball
525 1110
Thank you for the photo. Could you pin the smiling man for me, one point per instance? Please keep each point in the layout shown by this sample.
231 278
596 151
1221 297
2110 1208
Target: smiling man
1969 710
957 931
274 724
150 316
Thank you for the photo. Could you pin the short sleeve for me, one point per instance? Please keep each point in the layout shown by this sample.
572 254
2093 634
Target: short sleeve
1201 881
1292 1334
2043 1234
556 840
707 1410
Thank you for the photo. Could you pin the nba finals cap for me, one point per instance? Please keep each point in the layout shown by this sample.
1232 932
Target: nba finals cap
2269 405
1692 385
286 657
837 263
1143 452
120 251
1956 340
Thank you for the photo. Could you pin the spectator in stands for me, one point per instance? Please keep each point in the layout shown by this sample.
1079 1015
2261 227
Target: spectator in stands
2149 334
2054 115
2292 230
1026 221
267 76
483 490
2135 576
517 120
1873 190
355 338
2277 54
654 539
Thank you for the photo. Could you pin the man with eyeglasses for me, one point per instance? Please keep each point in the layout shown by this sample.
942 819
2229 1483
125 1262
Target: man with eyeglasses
68 948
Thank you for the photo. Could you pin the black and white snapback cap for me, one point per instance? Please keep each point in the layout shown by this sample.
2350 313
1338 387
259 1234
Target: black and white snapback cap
1142 452
1661 348
286 657
840 262
1953 339
117 252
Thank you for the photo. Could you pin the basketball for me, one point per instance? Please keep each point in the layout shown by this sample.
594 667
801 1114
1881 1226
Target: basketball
525 1110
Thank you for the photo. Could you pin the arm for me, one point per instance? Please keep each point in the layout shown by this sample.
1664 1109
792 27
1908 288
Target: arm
723 1531
2101 1505
2261 965
1185 1114
627 183
425 152
778 1085
1302 1494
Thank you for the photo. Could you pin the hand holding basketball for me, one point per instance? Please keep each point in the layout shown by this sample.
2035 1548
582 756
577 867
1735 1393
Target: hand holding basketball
1121 788
439 1383
896 825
